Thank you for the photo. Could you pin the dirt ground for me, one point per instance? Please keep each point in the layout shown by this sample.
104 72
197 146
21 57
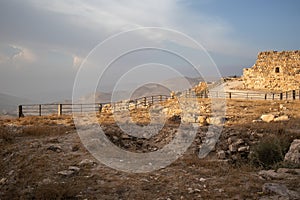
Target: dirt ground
43 158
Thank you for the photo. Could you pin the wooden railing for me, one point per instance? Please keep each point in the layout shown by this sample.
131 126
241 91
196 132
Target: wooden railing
60 109
47 109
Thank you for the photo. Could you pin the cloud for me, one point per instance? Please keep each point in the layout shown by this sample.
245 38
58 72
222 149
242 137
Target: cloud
104 18
16 55
77 60
24 55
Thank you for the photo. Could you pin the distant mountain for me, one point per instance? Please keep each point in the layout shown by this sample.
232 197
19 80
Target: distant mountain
9 104
181 83
150 89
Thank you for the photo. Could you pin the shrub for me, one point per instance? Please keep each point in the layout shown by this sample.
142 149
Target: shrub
269 151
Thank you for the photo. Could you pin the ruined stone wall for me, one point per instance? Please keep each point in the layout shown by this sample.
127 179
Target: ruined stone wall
275 71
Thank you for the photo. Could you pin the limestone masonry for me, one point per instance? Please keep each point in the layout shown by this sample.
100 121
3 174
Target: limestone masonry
275 71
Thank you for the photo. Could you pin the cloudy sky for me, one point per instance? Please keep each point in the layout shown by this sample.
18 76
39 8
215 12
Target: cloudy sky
43 43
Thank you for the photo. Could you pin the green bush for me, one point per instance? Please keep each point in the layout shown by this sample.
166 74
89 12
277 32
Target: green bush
269 151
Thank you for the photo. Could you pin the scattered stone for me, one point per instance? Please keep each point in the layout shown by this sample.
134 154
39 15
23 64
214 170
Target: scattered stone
232 147
2 181
221 154
267 118
202 120
281 118
289 171
87 162
55 148
293 155
239 141
46 181
231 140
243 149
202 179
66 172
35 145
271 174
74 168
279 189
215 121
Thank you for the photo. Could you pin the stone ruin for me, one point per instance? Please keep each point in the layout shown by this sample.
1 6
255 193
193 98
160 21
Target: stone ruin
274 71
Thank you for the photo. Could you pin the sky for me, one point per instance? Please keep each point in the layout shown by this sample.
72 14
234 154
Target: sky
44 43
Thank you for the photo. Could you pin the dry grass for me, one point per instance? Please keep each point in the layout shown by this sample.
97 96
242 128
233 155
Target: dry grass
26 161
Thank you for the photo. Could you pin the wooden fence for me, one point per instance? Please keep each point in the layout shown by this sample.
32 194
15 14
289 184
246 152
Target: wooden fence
67 108
289 95
47 109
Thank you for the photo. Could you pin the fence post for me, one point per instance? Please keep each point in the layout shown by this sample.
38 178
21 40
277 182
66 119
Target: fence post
99 108
59 110
40 110
281 96
21 111
229 95
152 100
265 96
294 94
273 96
145 101
160 98
286 95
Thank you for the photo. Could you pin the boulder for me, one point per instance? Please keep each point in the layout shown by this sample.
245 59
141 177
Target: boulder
267 118
215 121
281 118
221 155
293 155
202 120
280 189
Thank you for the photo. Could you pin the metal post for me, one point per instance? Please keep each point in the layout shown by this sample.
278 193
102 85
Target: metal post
40 110
281 96
21 111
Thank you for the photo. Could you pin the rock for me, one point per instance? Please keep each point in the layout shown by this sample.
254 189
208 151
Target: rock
231 140
215 121
66 172
232 147
289 171
35 145
46 181
55 148
74 168
271 174
267 118
87 162
221 154
202 120
293 155
281 118
279 189
243 149
2 181
239 141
